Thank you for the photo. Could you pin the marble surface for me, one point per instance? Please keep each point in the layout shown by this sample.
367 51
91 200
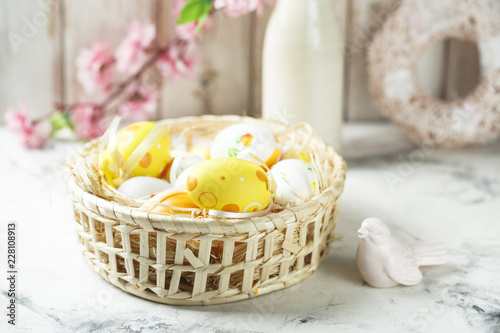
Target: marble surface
425 195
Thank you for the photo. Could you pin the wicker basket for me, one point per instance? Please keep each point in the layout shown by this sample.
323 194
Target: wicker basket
205 261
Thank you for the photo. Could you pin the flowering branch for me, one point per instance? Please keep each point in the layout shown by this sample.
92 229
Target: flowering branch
98 66
132 79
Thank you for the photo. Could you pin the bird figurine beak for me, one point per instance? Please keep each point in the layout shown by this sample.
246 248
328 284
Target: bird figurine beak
362 233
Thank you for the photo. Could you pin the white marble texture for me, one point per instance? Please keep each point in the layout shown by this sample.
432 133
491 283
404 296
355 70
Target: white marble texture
451 197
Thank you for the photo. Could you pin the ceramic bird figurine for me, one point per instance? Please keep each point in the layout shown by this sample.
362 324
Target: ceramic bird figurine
385 261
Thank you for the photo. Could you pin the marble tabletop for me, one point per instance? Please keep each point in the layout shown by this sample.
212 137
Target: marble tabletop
424 194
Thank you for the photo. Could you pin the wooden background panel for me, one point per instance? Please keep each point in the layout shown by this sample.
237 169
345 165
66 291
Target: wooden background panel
30 57
342 13
226 61
220 83
258 30
432 69
89 21
227 77
366 17
463 70
177 94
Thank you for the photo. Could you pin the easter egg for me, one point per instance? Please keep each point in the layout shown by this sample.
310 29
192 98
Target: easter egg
239 140
165 174
181 180
150 162
139 187
202 149
295 181
229 184
173 197
181 163
306 157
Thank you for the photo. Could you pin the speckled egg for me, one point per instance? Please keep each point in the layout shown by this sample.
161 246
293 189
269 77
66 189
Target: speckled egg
295 181
127 140
229 184
239 140
173 197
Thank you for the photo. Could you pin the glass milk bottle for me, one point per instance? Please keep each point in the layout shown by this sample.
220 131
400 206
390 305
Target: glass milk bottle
303 66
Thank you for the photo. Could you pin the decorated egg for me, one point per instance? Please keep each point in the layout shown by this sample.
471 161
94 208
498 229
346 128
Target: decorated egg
294 154
181 180
181 163
174 197
306 157
202 149
239 140
165 174
295 181
139 187
141 155
229 184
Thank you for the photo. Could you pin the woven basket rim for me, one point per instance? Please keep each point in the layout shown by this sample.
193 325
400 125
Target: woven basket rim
155 221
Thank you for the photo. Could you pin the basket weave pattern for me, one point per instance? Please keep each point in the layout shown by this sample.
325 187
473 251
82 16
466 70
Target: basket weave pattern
187 261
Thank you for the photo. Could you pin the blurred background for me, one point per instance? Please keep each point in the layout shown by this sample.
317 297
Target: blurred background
424 193
41 69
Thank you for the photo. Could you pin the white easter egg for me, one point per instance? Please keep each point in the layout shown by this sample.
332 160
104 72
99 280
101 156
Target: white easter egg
139 187
295 180
240 139
182 178
182 163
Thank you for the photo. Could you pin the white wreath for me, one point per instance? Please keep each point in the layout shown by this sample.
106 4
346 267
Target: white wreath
393 59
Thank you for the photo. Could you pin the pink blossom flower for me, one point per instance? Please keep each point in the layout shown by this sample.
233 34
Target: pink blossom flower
235 8
140 106
187 30
89 121
34 134
94 67
178 60
131 55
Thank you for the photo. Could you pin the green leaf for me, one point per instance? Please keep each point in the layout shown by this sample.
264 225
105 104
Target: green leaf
200 24
232 152
58 121
194 10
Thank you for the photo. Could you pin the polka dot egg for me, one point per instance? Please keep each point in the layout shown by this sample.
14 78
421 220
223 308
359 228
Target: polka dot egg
229 184
126 142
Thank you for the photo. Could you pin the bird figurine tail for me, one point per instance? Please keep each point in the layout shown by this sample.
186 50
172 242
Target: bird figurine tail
429 254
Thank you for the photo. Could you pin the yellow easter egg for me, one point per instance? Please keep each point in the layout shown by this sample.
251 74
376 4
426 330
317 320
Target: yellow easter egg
151 158
306 157
229 184
201 150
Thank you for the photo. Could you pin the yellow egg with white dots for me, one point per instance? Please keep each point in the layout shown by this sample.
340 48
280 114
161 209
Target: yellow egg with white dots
131 149
229 184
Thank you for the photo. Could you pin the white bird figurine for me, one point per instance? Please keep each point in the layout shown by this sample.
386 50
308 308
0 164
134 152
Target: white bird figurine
385 261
